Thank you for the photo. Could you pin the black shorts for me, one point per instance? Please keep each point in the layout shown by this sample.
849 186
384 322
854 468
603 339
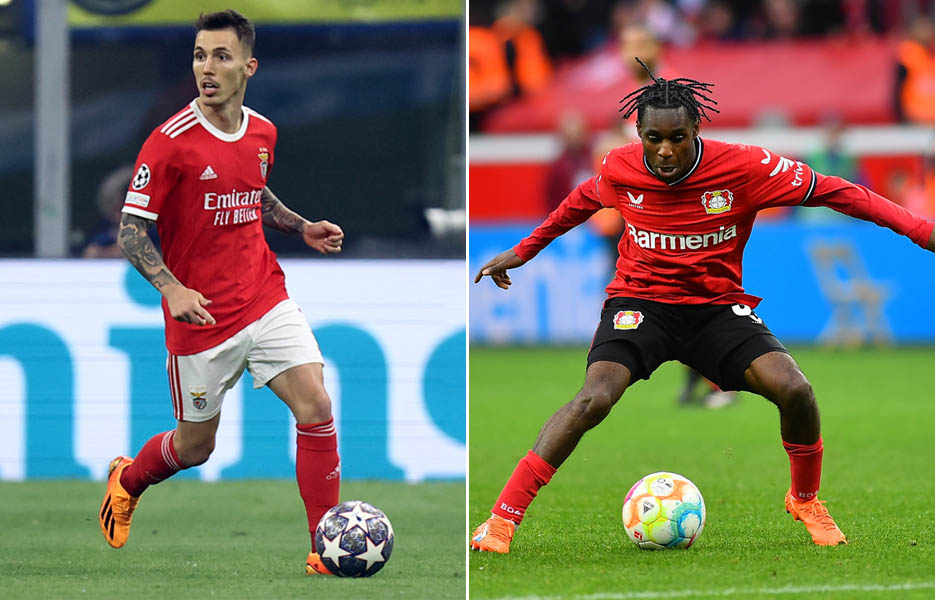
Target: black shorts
717 340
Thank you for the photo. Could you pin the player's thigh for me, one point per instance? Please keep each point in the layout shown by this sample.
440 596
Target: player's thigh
726 340
302 389
199 382
637 334
284 354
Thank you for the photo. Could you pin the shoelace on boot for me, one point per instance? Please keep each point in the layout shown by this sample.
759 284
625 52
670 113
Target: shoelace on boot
816 509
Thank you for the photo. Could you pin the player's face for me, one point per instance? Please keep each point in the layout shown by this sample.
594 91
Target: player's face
222 65
668 136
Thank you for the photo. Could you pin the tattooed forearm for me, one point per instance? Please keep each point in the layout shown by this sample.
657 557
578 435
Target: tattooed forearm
142 253
277 216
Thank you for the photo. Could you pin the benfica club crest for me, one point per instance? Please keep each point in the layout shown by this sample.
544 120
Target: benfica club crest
198 393
263 155
717 202
628 319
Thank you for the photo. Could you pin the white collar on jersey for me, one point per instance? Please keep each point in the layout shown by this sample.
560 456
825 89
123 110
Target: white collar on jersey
699 150
227 137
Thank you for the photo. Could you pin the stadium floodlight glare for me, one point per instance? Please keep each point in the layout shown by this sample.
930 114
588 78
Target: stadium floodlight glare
6 2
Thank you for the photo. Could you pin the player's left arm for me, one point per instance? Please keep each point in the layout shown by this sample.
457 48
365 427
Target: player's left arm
778 181
324 236
860 202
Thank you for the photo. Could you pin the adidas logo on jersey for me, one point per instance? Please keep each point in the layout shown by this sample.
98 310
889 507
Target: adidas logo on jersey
208 174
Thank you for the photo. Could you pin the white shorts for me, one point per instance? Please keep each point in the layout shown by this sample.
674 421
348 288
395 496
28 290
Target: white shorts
279 340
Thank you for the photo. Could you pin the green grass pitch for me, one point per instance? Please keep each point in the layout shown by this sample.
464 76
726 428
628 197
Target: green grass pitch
878 424
240 539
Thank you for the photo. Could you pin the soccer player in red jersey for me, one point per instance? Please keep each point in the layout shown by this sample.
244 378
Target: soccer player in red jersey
689 205
201 178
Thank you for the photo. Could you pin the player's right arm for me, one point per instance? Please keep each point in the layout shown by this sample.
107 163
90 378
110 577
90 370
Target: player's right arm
155 182
496 268
185 304
576 208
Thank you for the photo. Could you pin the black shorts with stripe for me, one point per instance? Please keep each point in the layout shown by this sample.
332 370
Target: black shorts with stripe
717 340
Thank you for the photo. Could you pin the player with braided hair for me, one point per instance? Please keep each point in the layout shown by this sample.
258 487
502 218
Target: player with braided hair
669 93
689 205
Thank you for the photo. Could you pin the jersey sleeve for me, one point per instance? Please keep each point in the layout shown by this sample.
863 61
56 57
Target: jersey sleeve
857 201
273 137
775 180
576 208
154 178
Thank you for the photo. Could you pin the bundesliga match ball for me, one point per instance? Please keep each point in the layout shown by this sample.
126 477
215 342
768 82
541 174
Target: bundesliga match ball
354 539
663 510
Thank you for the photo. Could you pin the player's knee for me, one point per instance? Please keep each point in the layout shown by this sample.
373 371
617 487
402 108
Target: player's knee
196 453
314 407
796 394
592 405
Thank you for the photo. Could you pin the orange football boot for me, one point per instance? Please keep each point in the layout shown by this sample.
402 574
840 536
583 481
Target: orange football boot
314 566
493 535
118 506
819 523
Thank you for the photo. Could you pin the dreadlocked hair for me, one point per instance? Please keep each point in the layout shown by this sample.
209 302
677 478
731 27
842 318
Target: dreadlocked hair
670 93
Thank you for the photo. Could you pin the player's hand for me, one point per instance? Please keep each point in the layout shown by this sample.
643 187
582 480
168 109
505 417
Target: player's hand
931 245
323 236
497 267
188 306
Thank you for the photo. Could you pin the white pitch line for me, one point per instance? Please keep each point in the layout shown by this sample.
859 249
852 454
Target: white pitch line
780 591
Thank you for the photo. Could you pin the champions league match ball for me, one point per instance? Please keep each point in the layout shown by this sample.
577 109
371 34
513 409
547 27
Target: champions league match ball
663 510
354 539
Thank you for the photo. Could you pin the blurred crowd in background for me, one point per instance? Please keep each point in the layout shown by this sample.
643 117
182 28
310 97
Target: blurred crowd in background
370 117
847 86
516 45
561 66
574 27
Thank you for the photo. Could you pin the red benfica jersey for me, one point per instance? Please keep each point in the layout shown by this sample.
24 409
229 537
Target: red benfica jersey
683 242
202 188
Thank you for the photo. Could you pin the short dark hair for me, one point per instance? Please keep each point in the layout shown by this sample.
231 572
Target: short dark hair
229 19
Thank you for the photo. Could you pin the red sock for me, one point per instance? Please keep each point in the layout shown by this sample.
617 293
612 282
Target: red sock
317 469
530 474
805 464
155 462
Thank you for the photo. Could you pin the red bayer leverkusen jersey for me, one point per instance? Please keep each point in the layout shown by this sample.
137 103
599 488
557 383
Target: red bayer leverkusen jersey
683 242
202 187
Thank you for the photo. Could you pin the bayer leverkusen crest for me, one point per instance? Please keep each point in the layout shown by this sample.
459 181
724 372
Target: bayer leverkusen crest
627 319
717 202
